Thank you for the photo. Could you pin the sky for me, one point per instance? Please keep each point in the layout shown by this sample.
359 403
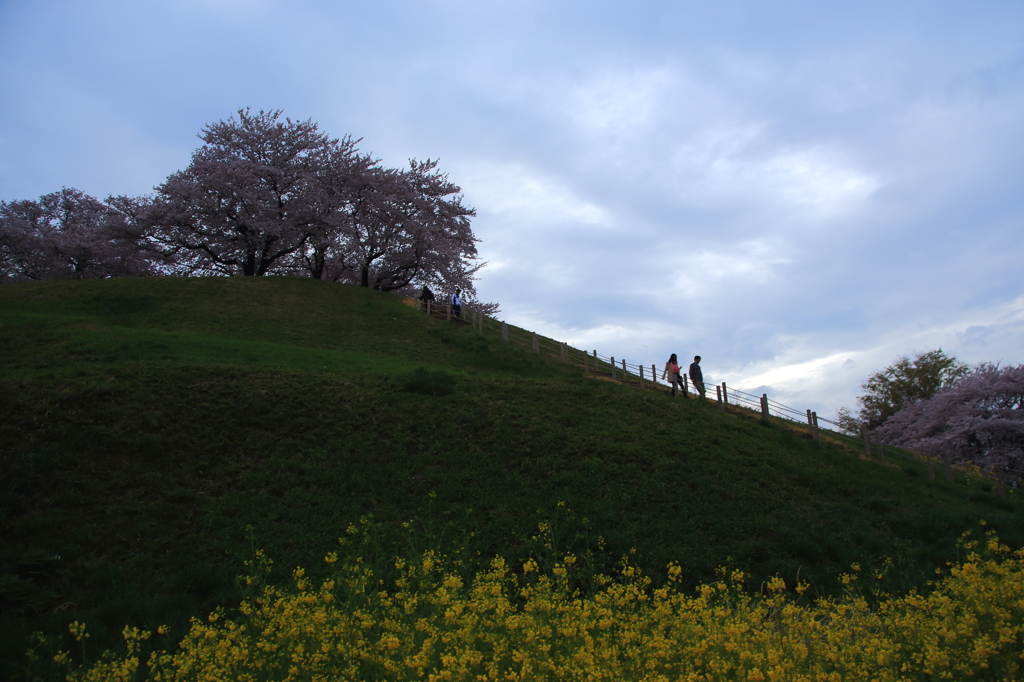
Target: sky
800 192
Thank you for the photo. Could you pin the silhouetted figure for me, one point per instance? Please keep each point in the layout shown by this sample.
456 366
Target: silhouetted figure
426 296
696 376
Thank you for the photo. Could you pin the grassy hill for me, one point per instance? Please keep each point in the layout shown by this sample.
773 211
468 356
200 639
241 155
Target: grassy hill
156 432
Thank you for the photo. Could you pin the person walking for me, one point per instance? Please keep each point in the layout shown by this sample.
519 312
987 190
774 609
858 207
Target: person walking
672 371
426 296
457 303
696 376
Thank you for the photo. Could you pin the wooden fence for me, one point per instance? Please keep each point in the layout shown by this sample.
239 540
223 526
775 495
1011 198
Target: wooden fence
647 377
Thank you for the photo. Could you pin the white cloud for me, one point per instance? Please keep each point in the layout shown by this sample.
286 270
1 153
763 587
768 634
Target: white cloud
526 197
729 164
751 263
810 178
619 101
714 147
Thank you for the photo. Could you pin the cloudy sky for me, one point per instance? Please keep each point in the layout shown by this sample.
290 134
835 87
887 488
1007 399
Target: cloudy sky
798 191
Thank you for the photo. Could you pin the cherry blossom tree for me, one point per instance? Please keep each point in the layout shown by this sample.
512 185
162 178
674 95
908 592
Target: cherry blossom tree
446 244
266 194
344 176
978 419
401 226
392 229
70 235
248 200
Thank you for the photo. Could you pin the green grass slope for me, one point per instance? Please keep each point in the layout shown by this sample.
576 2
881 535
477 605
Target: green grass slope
156 431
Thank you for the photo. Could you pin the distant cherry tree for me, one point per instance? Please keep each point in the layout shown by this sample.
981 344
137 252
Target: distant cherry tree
263 195
979 419
268 195
71 235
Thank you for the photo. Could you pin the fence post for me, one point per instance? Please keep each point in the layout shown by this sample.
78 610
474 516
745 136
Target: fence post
428 308
1000 484
813 427
725 394
721 405
449 312
881 451
504 331
625 375
613 367
641 374
565 352
765 417
931 466
686 385
536 344
949 468
597 365
654 376
867 441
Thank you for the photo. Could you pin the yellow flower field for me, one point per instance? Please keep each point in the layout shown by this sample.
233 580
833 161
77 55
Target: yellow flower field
526 624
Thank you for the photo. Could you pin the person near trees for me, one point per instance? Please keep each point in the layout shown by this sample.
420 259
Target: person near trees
457 303
426 296
672 372
696 376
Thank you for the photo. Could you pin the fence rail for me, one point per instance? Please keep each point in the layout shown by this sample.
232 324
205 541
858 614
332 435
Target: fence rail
621 371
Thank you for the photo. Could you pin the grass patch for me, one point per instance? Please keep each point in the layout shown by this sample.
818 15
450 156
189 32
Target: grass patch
426 382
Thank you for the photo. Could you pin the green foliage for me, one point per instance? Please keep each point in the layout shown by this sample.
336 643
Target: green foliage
156 430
